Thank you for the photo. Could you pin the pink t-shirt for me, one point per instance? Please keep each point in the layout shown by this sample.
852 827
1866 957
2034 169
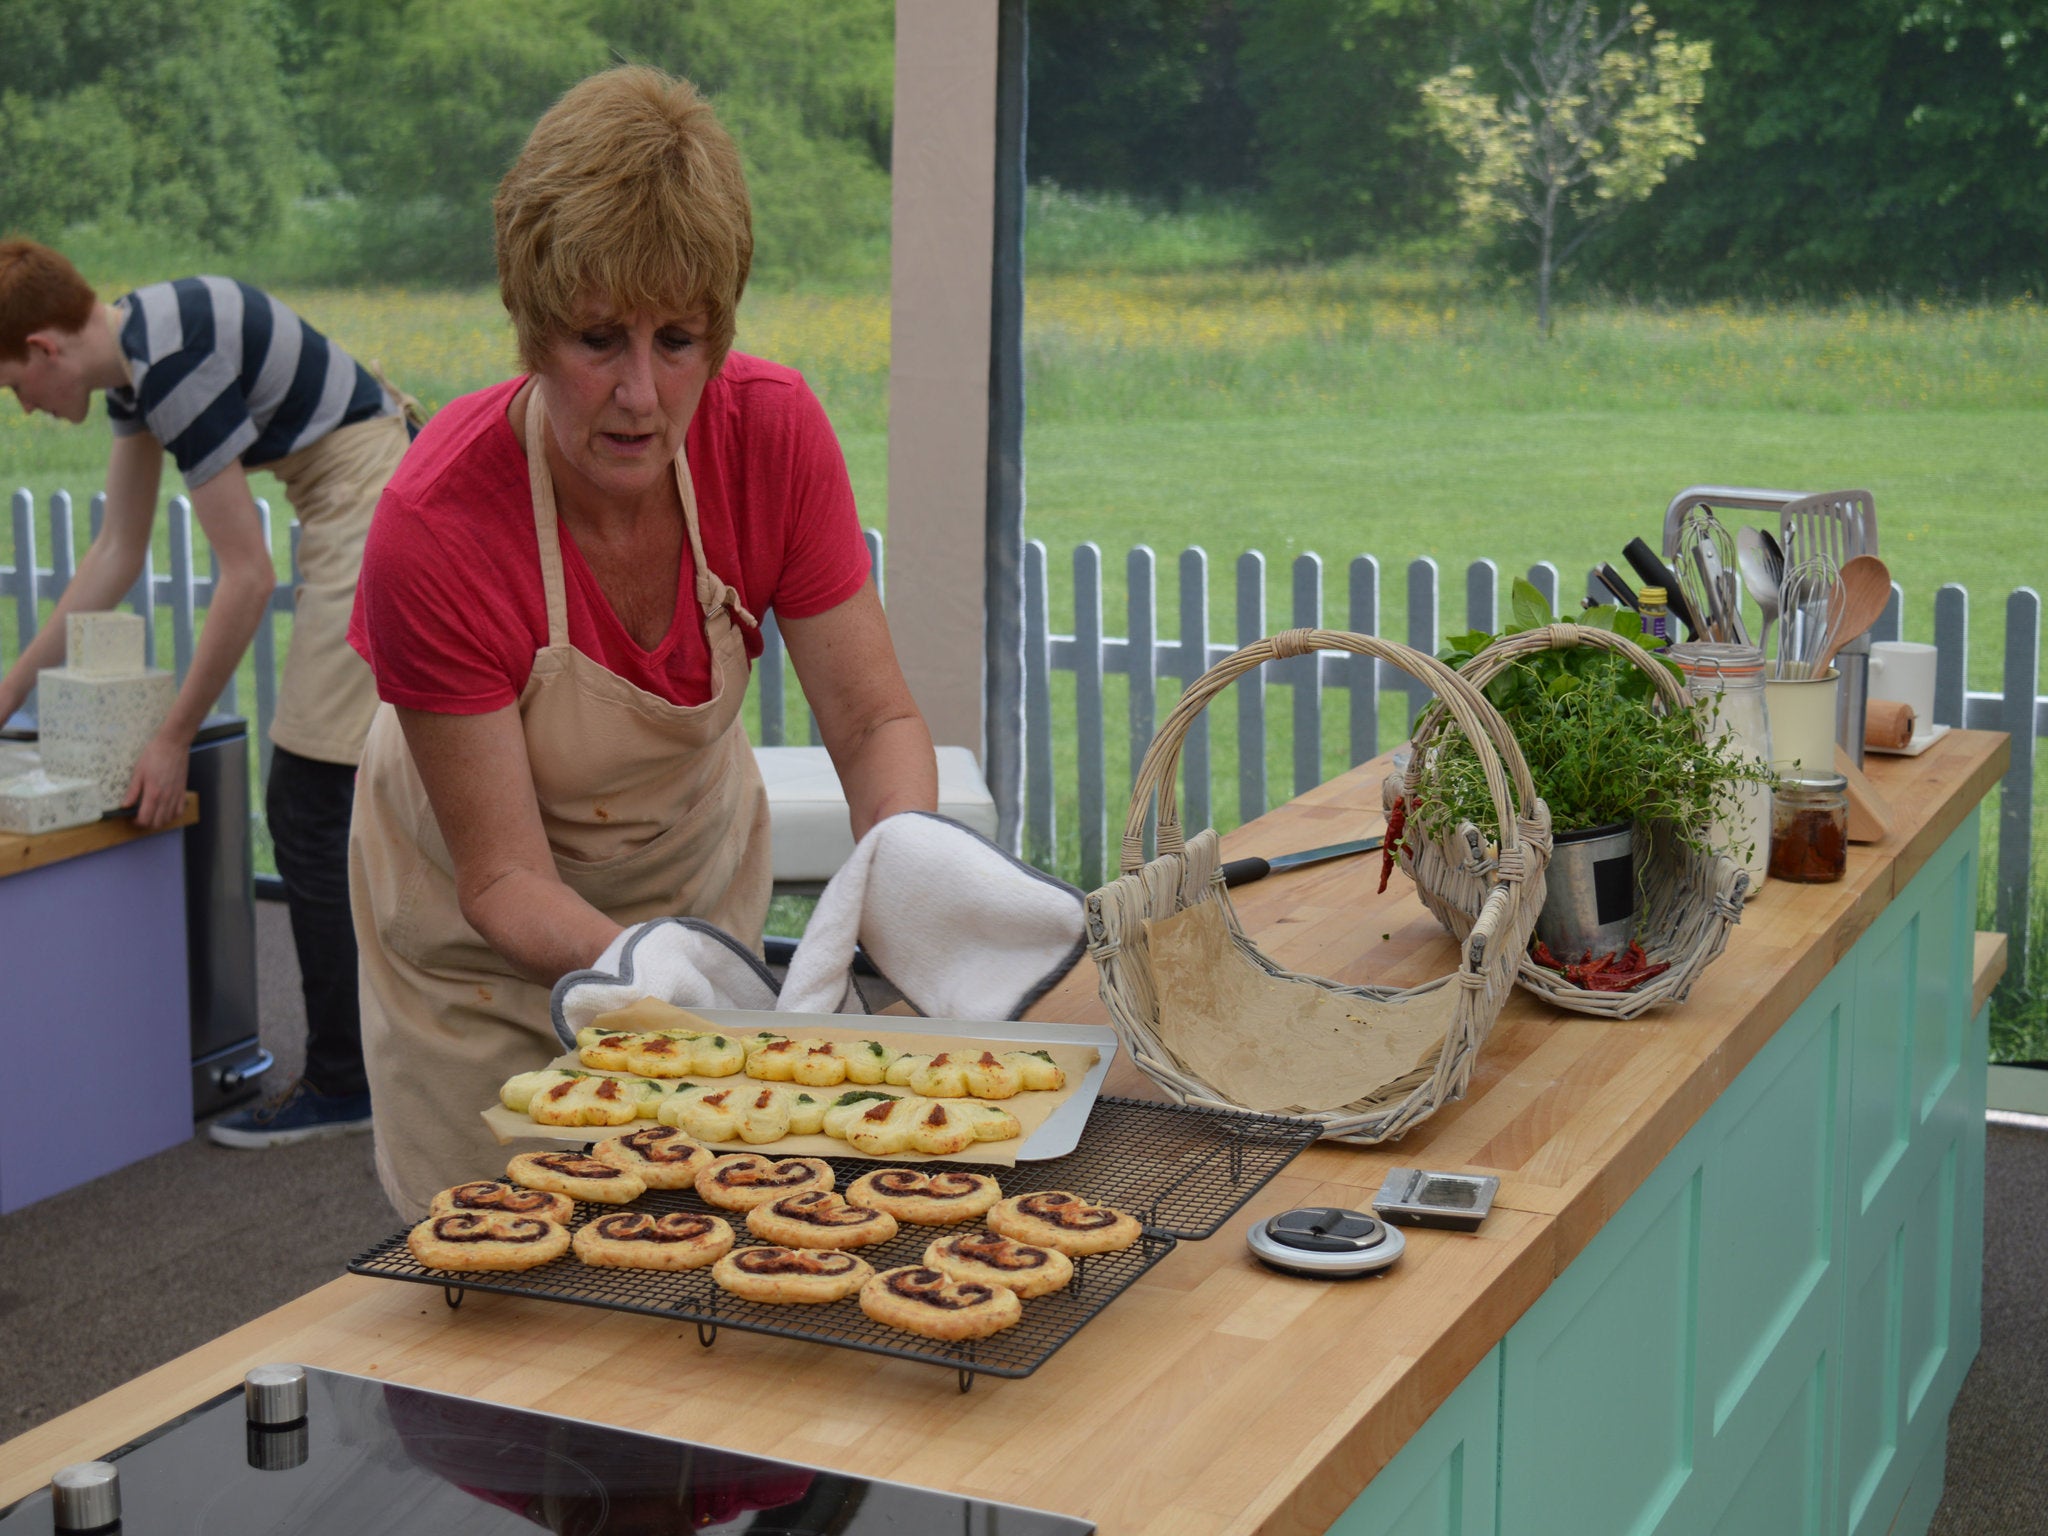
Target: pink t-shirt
449 607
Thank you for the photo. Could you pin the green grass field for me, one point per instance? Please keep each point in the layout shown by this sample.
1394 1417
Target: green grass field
1375 410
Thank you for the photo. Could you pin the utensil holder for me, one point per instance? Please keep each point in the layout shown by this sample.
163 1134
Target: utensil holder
1805 715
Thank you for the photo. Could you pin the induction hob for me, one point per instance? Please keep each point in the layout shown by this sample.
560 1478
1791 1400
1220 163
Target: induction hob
374 1459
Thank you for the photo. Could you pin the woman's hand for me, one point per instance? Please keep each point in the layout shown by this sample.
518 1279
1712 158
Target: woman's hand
157 787
477 780
870 724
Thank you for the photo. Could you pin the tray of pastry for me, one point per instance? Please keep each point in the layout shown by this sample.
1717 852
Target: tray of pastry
1042 1116
1145 1176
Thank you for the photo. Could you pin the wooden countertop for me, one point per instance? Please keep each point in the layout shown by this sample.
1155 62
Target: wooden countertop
20 852
1217 1396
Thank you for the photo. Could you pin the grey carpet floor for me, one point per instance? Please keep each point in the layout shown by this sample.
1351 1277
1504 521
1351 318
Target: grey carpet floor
210 1239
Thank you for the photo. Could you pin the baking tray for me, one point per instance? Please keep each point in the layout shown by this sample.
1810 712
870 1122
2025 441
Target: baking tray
1056 1137
1182 1172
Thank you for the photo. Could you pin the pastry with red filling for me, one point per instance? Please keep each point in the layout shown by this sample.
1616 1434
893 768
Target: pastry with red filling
662 1156
739 1181
990 1260
925 1199
807 1275
1052 1218
496 1195
817 1218
926 1301
643 1240
575 1175
494 1240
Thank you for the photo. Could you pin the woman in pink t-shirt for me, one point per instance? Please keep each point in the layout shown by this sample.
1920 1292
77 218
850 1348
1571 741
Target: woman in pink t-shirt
560 599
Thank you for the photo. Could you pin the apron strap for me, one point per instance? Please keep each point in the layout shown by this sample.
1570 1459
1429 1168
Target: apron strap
545 527
713 593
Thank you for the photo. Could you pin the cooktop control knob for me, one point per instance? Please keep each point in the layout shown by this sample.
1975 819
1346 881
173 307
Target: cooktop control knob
86 1497
275 1395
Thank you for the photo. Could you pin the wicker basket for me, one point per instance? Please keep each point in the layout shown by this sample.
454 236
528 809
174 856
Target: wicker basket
1215 1023
1691 899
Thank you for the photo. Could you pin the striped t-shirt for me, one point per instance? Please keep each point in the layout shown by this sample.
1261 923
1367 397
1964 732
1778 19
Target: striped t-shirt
223 372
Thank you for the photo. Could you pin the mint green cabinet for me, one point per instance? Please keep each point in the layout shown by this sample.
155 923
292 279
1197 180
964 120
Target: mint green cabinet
1768 1335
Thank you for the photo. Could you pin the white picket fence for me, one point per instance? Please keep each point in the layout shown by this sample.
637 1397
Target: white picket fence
1352 684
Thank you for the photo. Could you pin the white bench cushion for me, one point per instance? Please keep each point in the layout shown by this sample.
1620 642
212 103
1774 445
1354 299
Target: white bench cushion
809 829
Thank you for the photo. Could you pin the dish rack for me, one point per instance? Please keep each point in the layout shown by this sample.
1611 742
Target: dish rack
1181 1171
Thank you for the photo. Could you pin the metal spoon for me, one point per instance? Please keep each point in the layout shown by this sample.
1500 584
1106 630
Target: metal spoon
1763 572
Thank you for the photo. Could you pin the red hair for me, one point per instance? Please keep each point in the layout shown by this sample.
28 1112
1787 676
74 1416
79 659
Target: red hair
39 291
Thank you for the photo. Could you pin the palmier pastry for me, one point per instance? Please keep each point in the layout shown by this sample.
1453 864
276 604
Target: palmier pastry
1052 1218
989 1122
888 1127
604 1049
1036 1070
642 1240
662 1156
817 1218
493 1195
774 1061
585 1101
648 1015
486 1240
740 1181
791 1274
752 1112
926 1199
922 1300
575 1175
676 1054
990 1260
518 1092
961 1075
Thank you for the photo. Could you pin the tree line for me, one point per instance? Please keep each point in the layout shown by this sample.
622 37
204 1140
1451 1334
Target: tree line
1856 145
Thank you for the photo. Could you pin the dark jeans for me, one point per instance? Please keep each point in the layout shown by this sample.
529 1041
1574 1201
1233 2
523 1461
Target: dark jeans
308 807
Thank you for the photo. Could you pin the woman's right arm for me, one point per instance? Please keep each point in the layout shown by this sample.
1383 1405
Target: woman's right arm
108 569
475 772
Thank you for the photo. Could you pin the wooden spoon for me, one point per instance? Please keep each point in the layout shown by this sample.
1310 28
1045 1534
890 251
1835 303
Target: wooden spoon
1865 587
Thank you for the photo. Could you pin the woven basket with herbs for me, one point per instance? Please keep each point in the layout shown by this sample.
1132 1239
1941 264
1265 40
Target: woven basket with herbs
1607 731
1217 1024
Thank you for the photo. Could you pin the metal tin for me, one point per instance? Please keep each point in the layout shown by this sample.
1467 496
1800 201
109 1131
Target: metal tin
1589 902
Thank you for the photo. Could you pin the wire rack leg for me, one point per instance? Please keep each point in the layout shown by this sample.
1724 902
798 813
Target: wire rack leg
707 1334
452 1294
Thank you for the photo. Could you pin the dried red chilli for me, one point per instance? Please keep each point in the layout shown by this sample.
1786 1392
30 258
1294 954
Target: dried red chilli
1390 846
1622 972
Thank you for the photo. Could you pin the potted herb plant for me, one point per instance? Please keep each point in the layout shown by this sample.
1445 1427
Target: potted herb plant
1620 769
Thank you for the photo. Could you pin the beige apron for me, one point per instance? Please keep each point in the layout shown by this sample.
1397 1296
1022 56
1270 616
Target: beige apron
327 695
651 809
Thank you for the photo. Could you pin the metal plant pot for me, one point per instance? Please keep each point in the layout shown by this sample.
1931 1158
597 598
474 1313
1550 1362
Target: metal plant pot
1590 903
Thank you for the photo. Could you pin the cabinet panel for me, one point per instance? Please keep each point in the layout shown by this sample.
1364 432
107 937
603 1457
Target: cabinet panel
1442 1482
1597 1379
1783 1491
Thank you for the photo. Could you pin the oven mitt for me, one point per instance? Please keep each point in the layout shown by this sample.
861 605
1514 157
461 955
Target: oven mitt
681 960
957 926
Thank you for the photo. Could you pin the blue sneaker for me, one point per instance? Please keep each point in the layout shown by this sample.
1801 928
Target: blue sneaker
300 1113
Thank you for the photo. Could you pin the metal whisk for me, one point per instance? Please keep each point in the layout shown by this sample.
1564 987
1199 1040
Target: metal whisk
1810 595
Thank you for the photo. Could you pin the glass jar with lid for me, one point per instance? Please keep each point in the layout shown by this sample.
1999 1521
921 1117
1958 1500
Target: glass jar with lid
1810 828
1733 676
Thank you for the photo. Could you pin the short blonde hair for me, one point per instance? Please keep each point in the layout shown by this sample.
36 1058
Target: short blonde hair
628 186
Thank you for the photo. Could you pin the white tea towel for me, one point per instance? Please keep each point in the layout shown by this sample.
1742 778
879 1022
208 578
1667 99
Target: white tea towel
953 923
681 960
957 926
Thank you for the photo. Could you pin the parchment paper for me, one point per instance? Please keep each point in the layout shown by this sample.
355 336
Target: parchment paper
1274 1044
1031 1109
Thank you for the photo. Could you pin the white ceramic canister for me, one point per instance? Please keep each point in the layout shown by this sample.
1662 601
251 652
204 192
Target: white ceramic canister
1802 712
1734 674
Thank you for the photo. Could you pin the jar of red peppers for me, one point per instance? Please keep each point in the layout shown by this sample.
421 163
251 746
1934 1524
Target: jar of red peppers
1810 828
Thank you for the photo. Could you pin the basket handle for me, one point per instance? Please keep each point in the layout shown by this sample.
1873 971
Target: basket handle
1477 718
1504 652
